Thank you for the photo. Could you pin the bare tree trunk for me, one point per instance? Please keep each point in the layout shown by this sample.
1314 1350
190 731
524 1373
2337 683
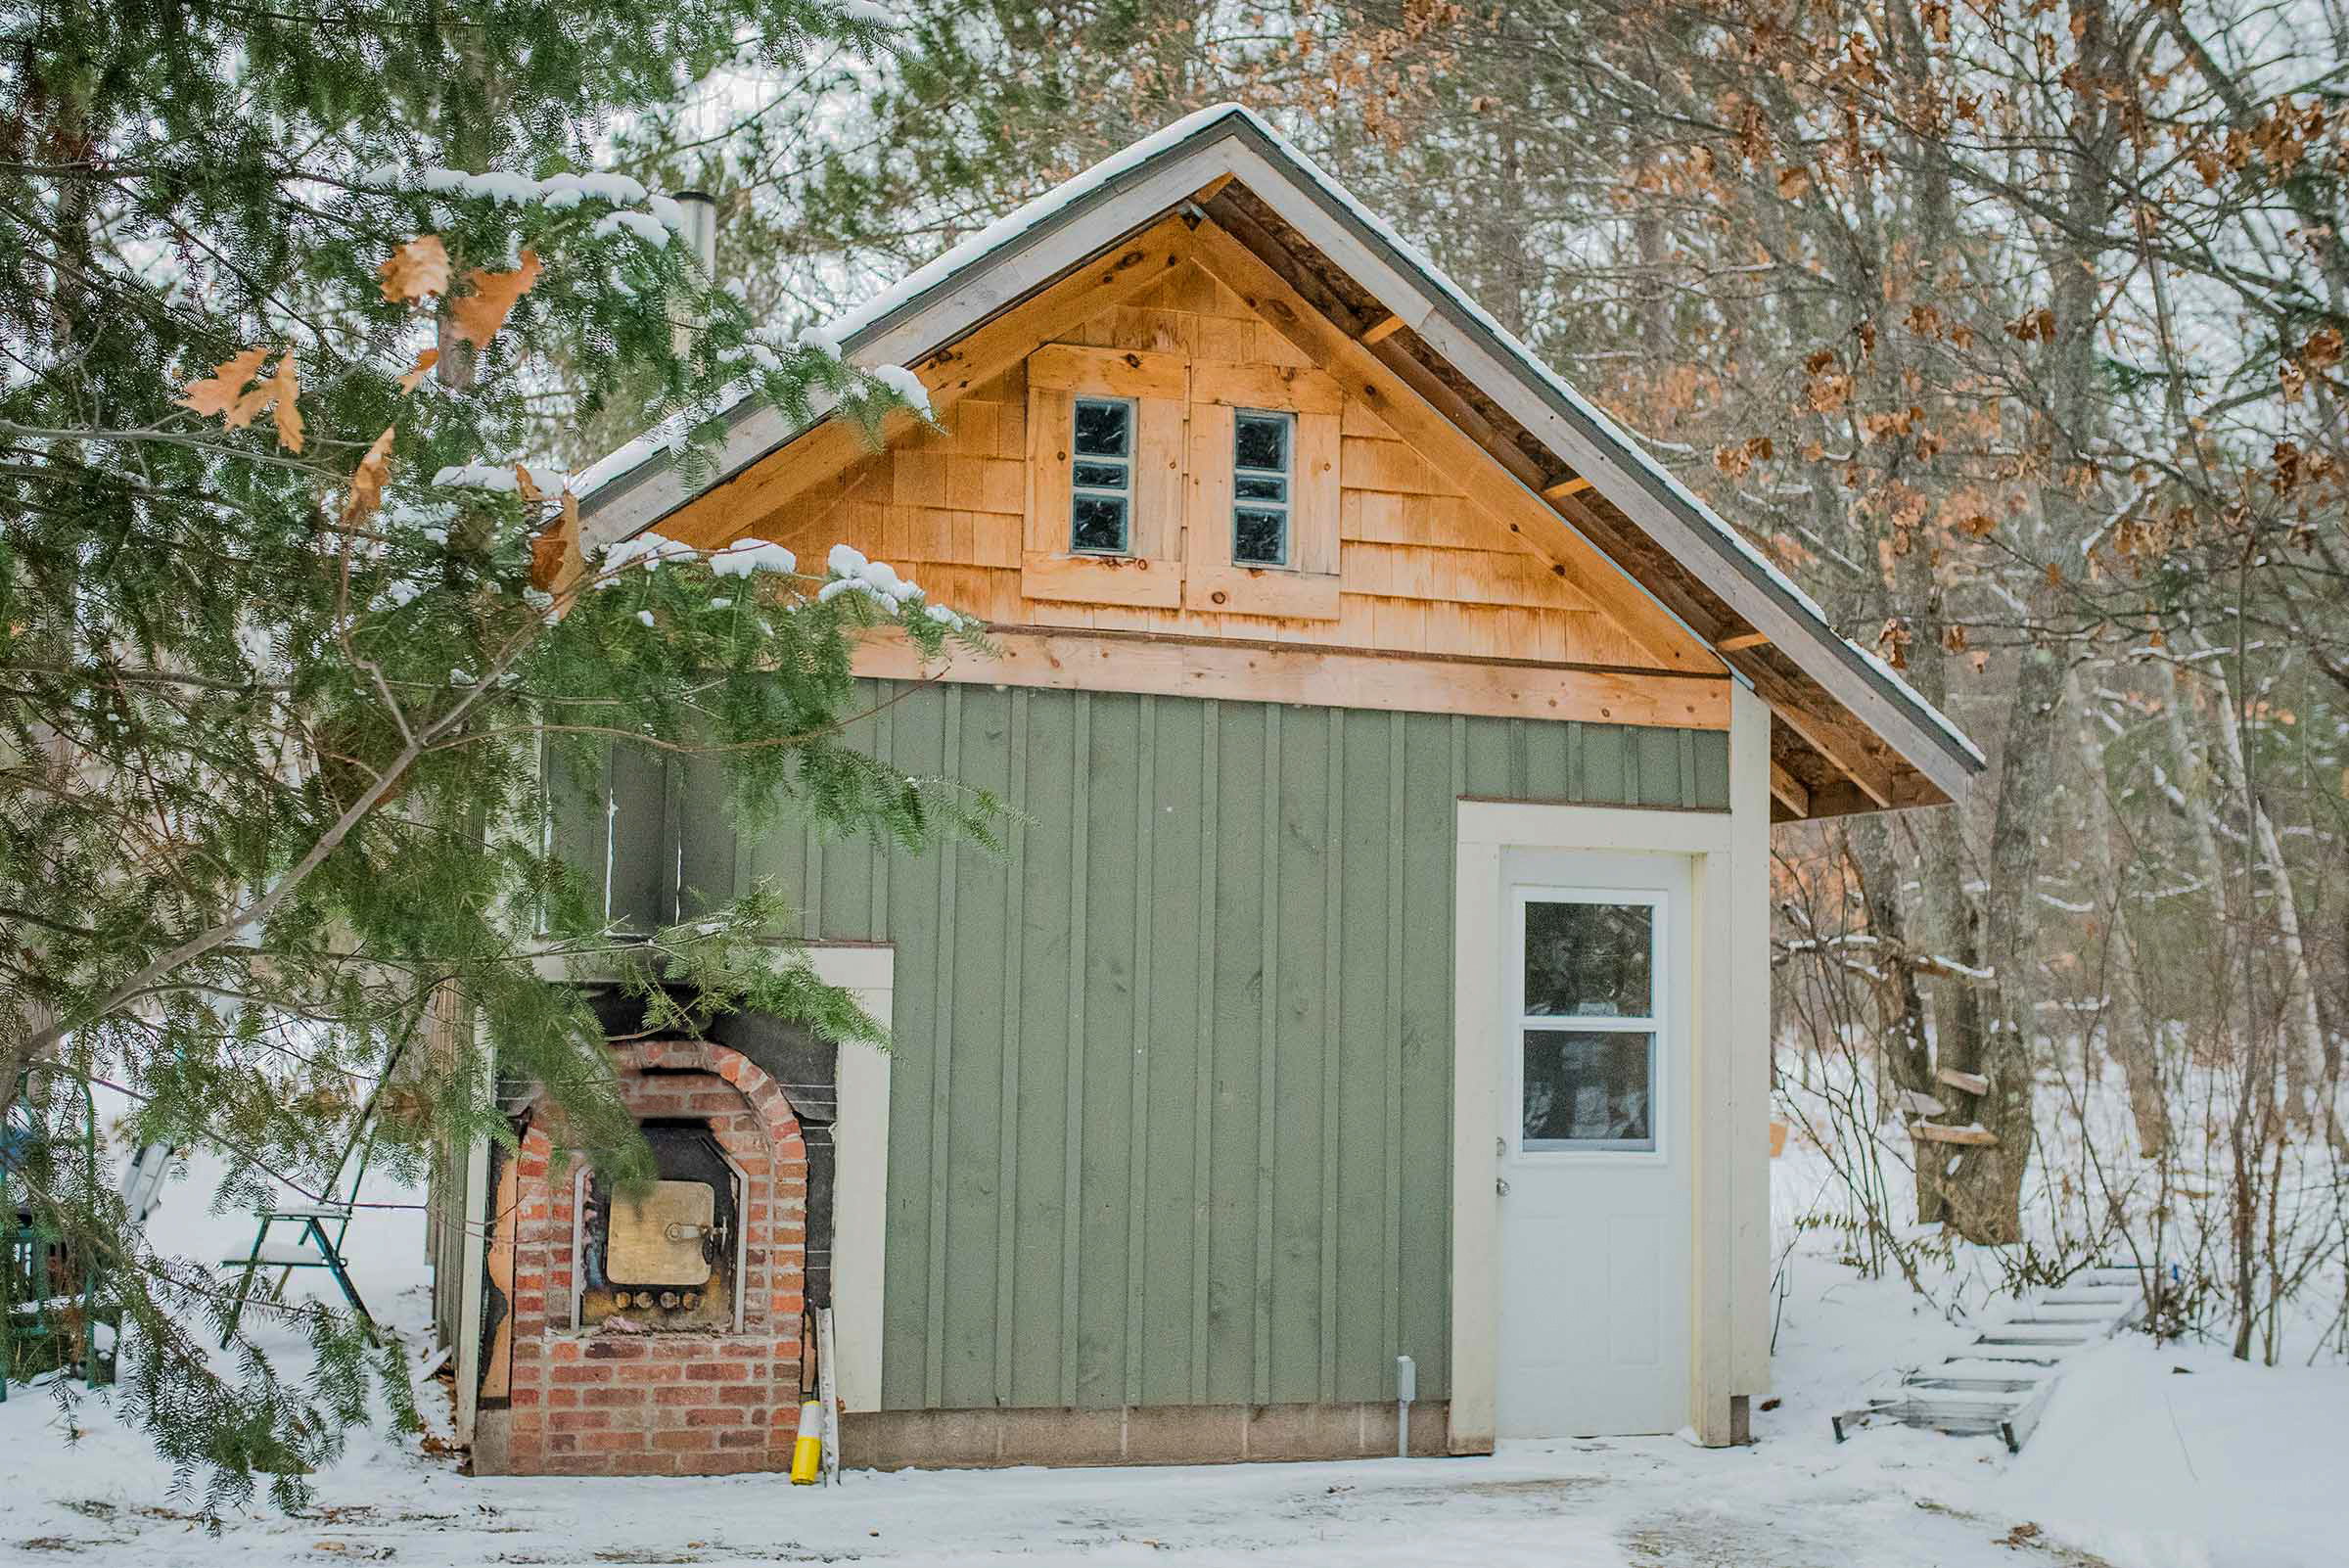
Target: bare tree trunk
1902 1046
2128 1031
2303 1030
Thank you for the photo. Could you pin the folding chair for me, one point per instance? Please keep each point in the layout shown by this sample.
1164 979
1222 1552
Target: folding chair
311 1247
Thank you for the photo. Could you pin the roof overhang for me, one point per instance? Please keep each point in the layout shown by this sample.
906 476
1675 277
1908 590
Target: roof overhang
1849 734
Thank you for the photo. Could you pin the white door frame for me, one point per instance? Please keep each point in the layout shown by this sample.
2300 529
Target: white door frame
1730 1072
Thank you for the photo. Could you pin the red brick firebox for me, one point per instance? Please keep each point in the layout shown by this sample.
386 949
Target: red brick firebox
620 1400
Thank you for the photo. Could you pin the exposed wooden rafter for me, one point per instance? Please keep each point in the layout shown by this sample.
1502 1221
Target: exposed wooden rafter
1787 790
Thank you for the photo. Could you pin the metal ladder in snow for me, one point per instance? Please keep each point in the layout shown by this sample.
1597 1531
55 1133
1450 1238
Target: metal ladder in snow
2000 1385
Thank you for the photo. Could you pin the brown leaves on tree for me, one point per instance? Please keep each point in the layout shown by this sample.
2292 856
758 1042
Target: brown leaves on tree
1829 386
416 270
231 393
476 317
216 394
1738 458
2033 326
367 479
416 372
1892 643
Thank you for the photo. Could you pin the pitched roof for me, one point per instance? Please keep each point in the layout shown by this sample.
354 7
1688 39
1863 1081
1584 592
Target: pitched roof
1851 733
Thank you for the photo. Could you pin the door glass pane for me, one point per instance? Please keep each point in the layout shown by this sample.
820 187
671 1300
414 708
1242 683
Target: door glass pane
1589 961
1582 1088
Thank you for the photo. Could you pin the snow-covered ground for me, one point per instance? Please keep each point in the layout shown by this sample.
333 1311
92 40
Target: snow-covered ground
2150 1457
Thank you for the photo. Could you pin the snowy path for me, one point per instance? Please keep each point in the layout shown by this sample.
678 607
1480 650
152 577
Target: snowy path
1643 1503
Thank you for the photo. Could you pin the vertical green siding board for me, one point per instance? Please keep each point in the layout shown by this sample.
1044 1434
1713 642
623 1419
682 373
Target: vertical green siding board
1296 1154
1073 1148
1043 1262
1687 744
915 1156
1398 794
1545 772
1267 1041
708 844
1137 1139
1659 767
579 818
1358 1024
1489 755
1173 1060
1007 1118
1203 1102
1712 771
1109 1052
885 749
1333 903
941 1078
1603 763
1238 1024
639 811
975 1128
669 867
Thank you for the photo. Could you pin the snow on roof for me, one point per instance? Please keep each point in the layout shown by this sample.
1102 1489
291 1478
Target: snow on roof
1014 225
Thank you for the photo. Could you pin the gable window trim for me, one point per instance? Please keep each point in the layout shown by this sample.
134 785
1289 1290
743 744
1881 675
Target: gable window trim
1145 569
1265 490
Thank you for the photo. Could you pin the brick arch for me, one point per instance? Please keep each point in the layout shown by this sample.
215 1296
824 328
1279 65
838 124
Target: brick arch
603 1401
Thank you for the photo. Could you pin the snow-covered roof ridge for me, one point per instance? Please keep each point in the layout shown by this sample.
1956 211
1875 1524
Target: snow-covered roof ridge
1202 128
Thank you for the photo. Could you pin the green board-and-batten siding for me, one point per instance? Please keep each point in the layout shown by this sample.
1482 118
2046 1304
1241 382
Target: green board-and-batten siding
1170 1110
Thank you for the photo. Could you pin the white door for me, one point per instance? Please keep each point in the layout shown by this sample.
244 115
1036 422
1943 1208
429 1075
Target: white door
1598 1201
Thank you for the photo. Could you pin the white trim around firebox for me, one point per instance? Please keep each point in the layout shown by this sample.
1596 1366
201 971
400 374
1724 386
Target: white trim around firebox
859 1171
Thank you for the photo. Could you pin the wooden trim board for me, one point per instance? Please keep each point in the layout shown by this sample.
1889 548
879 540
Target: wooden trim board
1170 667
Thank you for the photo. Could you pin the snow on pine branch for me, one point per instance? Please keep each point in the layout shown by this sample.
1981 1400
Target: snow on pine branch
848 570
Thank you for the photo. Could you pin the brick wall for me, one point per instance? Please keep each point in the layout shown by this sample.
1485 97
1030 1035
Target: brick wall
613 1402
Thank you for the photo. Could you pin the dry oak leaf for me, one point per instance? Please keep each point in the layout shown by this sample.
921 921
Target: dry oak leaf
425 361
1793 181
284 388
216 394
416 269
555 548
367 479
477 315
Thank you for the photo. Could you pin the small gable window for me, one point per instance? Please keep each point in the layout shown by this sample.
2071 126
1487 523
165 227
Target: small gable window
1260 476
1101 477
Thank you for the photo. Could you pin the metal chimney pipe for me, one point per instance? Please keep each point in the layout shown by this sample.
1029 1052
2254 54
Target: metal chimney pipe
700 233
701 226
